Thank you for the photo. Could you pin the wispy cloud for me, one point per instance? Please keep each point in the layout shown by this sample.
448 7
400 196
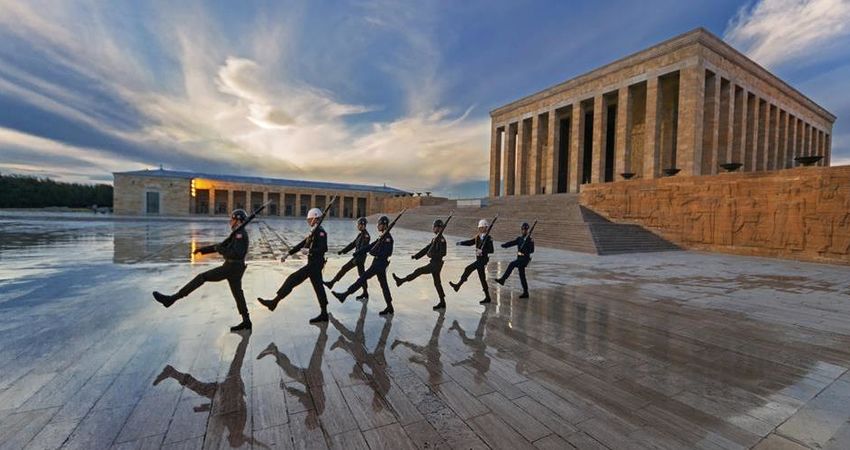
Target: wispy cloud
775 32
195 99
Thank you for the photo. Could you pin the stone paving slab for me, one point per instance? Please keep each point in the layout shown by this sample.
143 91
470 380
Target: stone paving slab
671 350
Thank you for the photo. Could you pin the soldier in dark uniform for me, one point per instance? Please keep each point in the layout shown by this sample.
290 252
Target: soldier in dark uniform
525 247
234 249
436 251
483 248
361 241
381 249
315 245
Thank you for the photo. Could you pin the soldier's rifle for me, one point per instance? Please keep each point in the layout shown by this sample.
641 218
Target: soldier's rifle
527 237
310 237
487 233
236 230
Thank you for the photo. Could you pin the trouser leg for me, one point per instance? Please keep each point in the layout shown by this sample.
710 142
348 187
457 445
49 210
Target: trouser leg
235 282
522 279
361 269
509 269
385 288
417 273
321 295
467 271
350 264
361 281
293 280
438 282
217 274
482 276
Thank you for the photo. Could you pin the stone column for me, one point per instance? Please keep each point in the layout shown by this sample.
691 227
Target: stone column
521 186
754 133
597 164
729 129
773 144
827 149
651 154
712 136
741 150
509 169
622 140
783 139
575 151
495 160
266 211
792 150
552 144
689 124
229 201
211 208
297 212
534 181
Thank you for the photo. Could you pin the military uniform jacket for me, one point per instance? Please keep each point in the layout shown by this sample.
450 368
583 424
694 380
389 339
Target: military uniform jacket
381 248
316 243
523 250
359 243
485 245
233 249
435 250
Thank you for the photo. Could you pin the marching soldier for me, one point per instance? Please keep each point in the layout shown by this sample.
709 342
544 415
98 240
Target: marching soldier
483 248
361 241
233 249
381 249
436 251
315 245
525 247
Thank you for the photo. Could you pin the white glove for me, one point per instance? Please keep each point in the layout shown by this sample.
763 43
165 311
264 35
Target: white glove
304 251
283 258
479 252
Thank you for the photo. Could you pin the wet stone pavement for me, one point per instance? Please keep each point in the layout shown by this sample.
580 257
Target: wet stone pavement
667 350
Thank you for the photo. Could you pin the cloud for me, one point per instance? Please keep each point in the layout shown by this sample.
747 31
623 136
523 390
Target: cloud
178 85
776 32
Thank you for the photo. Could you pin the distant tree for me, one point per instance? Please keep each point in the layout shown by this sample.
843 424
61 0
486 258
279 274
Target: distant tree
20 191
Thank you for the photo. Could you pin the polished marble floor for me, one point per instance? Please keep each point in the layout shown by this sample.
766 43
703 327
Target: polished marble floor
668 350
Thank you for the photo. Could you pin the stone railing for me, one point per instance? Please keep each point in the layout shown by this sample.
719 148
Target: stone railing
396 204
801 213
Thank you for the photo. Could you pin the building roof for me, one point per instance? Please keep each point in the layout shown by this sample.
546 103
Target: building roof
696 36
163 173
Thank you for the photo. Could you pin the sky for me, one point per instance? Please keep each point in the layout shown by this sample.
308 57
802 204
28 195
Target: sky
366 91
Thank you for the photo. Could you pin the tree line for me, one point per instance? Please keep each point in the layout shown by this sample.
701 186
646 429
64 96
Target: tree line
21 191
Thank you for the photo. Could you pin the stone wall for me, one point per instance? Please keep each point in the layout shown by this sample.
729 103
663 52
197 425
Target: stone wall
801 213
396 204
128 195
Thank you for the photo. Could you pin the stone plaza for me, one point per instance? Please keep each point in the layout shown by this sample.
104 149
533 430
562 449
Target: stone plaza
662 350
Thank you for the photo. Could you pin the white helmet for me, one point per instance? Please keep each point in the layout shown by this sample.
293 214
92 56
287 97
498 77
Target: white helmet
483 223
314 213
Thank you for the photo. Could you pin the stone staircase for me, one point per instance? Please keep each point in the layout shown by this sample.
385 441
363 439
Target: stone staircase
562 223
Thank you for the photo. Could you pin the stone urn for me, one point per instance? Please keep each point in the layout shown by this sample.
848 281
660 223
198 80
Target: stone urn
731 167
810 160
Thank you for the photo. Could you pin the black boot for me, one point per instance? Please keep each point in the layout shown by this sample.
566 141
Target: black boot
388 310
164 300
398 281
363 296
270 350
440 305
455 286
244 325
167 372
485 301
329 284
322 317
270 304
501 281
524 295
340 296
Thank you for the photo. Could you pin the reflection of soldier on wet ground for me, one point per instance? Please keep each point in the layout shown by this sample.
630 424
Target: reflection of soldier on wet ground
230 393
312 397
428 355
354 343
479 359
